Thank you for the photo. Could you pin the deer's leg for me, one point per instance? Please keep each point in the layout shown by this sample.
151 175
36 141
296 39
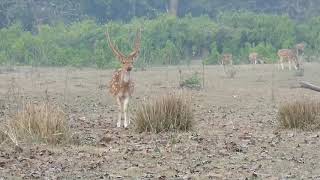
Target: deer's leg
125 108
120 106
296 64
281 62
289 65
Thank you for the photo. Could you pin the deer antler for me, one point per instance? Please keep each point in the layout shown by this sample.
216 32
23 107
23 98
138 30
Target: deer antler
114 48
137 45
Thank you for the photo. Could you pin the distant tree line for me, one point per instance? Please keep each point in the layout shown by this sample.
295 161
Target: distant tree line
165 40
32 13
41 32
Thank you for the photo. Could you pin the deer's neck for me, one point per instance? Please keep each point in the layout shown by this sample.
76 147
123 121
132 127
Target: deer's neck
125 76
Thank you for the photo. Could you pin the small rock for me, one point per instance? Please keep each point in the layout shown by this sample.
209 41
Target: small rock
82 118
18 149
215 176
104 141
315 136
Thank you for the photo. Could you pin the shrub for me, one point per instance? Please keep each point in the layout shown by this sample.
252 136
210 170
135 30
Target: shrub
193 82
213 57
266 51
300 115
37 123
169 112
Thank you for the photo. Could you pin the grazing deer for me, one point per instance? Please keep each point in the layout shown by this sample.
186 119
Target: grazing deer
226 59
300 49
253 58
121 85
290 56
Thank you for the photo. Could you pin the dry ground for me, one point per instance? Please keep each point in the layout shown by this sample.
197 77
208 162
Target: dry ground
236 134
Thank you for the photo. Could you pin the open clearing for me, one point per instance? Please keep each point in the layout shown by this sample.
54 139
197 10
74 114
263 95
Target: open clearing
236 133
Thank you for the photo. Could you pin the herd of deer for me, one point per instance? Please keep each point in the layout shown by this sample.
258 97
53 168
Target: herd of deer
291 56
121 85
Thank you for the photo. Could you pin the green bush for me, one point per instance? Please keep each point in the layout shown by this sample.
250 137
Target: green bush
243 32
193 82
165 40
214 56
309 32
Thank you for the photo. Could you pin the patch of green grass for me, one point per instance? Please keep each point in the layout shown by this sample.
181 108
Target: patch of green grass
193 82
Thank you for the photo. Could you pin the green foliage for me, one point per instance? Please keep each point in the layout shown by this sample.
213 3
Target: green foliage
243 32
214 55
193 82
165 40
31 13
266 51
171 39
309 33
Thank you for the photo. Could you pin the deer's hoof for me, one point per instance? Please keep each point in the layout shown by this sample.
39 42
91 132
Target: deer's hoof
119 124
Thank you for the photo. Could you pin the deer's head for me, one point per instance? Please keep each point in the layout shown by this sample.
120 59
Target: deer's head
126 61
300 46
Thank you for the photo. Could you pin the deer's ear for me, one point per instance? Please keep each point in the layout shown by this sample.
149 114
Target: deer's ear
114 48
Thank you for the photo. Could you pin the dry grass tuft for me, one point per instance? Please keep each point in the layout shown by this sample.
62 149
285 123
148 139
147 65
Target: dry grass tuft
300 115
38 123
166 113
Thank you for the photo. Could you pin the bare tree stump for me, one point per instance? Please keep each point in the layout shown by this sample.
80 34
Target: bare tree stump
308 85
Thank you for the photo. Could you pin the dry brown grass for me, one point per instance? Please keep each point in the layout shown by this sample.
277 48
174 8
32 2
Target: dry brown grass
38 123
300 115
169 112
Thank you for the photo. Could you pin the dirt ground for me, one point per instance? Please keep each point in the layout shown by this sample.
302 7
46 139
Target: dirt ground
236 133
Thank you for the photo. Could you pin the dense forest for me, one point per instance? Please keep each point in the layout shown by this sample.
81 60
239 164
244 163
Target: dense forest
55 32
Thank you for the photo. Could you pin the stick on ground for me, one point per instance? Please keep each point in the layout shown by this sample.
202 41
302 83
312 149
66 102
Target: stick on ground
308 85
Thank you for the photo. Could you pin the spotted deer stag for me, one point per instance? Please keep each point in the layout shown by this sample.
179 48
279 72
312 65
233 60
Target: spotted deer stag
290 56
226 59
121 85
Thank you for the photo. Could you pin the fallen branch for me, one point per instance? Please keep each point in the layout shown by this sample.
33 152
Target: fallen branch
308 85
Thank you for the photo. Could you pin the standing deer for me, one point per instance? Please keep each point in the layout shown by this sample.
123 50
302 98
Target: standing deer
300 50
290 56
121 85
226 59
253 58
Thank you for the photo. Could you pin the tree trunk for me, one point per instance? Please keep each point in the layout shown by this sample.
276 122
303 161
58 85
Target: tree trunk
309 86
173 7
